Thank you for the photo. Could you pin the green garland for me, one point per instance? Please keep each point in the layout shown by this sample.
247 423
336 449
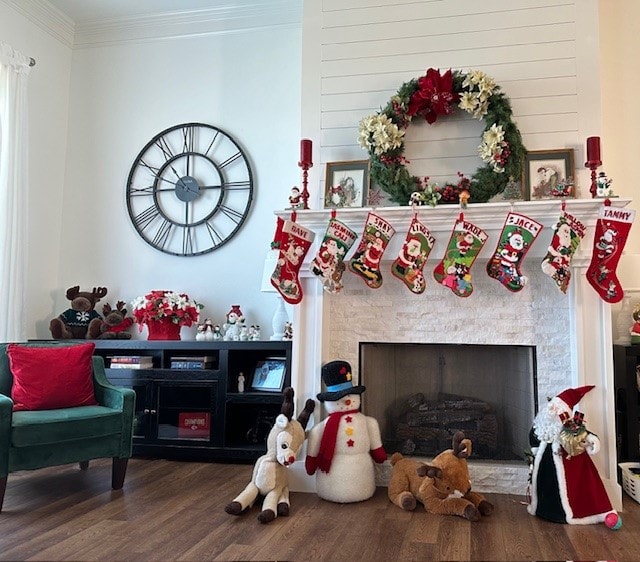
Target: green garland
435 94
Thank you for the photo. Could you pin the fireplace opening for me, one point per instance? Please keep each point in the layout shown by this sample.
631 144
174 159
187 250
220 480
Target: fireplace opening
421 394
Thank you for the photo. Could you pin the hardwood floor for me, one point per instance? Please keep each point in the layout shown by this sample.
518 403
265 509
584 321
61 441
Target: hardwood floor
171 510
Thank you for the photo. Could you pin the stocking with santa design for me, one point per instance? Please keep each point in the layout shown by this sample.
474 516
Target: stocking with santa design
518 233
567 235
293 242
328 263
454 270
612 230
413 255
366 259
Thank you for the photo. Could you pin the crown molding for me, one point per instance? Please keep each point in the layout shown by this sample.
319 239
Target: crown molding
171 25
47 17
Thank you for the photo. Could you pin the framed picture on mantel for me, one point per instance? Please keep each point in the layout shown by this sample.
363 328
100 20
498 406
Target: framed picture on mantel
346 184
548 174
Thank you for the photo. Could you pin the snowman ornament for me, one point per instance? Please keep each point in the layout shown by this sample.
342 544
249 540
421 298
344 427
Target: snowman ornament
342 448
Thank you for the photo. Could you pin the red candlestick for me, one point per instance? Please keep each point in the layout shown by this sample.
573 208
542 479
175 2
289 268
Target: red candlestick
305 152
593 150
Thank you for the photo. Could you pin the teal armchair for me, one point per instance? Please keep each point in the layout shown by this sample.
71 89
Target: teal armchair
40 438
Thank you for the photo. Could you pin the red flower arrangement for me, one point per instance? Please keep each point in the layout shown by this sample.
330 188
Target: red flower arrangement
166 305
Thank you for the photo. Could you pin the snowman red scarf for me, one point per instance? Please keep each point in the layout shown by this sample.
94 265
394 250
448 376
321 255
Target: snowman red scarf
329 438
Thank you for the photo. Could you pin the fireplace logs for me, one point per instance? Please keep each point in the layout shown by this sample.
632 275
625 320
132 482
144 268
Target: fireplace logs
425 427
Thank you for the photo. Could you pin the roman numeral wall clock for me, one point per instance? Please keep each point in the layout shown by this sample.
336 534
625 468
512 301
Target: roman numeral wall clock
189 190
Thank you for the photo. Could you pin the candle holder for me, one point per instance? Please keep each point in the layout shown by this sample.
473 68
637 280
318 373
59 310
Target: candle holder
304 196
593 166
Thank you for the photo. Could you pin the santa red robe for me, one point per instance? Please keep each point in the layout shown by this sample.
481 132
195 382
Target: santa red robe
566 489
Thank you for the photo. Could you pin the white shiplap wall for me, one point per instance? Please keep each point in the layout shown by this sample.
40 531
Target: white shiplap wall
358 52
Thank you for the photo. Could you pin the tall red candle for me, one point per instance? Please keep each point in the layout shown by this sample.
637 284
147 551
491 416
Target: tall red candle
305 151
593 149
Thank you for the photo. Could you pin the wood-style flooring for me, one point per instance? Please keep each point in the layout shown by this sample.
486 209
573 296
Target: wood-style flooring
171 510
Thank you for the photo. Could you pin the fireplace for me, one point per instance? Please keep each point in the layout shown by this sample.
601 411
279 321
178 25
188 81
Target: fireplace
571 333
424 393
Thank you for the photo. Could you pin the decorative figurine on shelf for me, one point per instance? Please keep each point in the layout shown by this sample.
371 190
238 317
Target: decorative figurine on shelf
115 325
241 382
81 318
288 332
244 332
635 329
254 333
603 185
217 332
234 323
295 199
564 188
565 484
205 331
513 190
343 447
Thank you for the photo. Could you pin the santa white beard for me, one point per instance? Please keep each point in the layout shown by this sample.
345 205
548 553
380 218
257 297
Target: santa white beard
547 424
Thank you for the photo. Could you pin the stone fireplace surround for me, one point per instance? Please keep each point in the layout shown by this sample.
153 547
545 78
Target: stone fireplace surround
572 333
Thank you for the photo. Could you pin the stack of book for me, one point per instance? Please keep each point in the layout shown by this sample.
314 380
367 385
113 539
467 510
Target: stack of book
131 362
192 362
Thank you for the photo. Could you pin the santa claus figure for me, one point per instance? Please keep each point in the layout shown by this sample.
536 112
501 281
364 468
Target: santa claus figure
565 484
342 448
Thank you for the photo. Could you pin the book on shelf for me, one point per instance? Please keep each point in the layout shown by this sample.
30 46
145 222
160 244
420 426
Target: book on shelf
130 362
201 358
190 364
131 366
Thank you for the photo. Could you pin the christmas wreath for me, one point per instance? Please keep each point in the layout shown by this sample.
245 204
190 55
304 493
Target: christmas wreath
432 95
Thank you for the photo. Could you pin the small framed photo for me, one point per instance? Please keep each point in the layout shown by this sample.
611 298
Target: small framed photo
346 184
548 174
269 375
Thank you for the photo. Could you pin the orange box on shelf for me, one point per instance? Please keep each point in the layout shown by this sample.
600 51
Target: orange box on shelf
194 424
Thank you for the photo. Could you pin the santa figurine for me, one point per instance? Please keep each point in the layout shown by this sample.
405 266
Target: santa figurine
565 484
343 447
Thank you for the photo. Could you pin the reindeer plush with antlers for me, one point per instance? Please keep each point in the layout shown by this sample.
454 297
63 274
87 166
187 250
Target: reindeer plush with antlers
434 484
81 319
269 476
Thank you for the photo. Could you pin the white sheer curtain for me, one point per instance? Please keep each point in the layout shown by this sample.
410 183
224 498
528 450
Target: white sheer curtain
14 72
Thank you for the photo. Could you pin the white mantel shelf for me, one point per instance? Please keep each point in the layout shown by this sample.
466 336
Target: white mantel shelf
440 220
491 215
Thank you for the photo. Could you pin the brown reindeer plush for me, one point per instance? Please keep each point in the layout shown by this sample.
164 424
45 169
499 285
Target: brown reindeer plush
434 484
269 476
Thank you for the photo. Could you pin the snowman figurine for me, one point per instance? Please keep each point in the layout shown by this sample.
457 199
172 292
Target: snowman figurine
341 449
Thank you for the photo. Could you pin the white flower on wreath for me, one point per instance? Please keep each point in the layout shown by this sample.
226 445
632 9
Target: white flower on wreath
480 87
379 133
491 147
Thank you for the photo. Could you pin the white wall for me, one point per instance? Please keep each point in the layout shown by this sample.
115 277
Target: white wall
619 46
48 117
247 83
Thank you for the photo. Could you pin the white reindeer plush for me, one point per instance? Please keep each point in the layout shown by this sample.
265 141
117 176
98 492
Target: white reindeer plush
269 476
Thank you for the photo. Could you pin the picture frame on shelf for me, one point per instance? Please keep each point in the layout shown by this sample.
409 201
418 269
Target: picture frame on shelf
548 174
346 184
268 375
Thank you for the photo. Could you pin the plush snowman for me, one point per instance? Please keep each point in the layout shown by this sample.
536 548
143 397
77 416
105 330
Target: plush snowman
341 449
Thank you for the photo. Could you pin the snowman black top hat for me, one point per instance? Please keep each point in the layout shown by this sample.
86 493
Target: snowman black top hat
337 379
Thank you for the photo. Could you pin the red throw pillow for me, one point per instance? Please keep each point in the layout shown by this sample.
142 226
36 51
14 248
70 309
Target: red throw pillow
46 378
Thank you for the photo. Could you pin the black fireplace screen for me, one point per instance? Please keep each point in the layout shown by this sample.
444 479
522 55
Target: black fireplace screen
421 394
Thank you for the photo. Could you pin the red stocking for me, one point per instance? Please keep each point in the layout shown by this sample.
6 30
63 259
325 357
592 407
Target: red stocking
612 230
293 242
